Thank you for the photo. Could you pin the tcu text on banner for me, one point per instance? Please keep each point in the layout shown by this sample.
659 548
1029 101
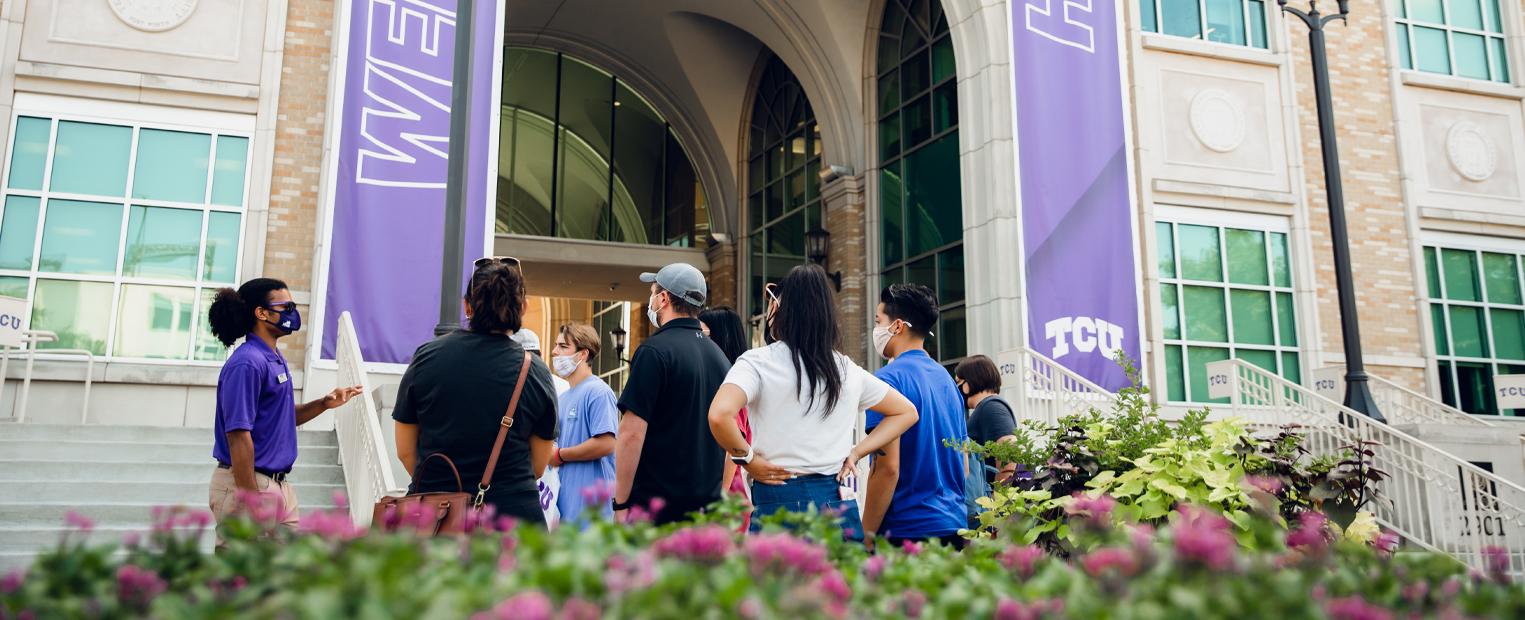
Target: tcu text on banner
1510 390
13 322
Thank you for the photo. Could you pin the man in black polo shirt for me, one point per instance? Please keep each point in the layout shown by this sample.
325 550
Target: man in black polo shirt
665 450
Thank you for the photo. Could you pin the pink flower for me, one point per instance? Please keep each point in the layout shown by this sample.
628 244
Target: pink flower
598 494
912 548
531 605
623 574
913 602
331 525
1311 534
1009 609
1385 543
341 501
1451 588
580 609
137 587
131 539
507 560
1496 562
709 544
1096 510
1203 538
785 553
1415 592
1265 484
1111 559
479 519
78 521
874 567
1355 608
836 586
1022 560
750 609
12 581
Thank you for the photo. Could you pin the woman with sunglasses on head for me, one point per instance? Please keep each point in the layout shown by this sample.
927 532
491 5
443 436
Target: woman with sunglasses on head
255 441
455 393
804 400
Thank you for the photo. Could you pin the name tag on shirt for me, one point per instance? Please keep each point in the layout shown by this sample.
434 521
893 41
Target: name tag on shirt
282 378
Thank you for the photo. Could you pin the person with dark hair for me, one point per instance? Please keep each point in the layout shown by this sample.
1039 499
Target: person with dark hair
724 326
992 419
804 399
589 418
455 393
665 459
916 489
255 432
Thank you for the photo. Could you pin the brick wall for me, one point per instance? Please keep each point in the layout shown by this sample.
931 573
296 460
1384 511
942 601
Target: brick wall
844 203
1380 256
300 118
722 275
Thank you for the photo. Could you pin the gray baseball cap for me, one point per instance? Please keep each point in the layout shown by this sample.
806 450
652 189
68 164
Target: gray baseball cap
681 279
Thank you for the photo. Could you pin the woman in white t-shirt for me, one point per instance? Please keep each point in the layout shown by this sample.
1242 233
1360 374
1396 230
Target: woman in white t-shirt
803 400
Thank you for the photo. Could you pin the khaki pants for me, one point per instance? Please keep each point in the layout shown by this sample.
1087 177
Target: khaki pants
222 498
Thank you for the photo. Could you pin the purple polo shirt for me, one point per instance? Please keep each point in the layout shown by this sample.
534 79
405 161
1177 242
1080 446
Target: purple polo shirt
254 394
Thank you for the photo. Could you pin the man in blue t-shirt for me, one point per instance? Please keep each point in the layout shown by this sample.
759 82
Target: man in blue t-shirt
916 486
584 452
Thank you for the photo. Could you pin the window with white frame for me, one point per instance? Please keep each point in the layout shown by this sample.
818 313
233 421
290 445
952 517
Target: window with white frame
1235 22
119 233
1225 292
1464 38
1478 318
609 316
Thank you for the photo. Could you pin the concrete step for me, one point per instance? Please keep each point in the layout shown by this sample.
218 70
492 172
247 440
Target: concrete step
37 539
15 470
87 493
137 434
125 514
136 452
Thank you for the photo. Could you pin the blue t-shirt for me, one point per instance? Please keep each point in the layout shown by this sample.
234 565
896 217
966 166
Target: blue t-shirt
587 410
929 499
254 394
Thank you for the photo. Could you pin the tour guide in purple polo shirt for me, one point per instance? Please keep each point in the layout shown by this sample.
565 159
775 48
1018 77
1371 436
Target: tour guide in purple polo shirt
257 415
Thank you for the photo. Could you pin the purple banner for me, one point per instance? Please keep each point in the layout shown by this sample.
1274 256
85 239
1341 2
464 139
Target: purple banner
385 239
1077 203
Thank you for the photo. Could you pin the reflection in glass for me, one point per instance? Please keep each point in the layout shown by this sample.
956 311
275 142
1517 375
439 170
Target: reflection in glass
228 171
220 263
171 165
81 237
18 232
162 243
154 321
90 158
79 312
208 348
29 152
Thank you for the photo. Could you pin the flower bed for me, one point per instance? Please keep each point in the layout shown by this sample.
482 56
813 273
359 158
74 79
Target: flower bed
1190 566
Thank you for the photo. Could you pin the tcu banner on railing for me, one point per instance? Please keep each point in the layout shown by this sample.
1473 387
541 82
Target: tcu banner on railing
388 183
1077 203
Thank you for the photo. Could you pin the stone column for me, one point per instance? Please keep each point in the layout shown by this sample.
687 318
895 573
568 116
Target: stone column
842 197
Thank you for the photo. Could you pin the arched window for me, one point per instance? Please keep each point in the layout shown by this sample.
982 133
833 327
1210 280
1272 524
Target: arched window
582 156
921 232
783 180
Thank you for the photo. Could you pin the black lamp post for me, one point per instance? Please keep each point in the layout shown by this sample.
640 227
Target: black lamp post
620 338
818 249
1357 390
455 177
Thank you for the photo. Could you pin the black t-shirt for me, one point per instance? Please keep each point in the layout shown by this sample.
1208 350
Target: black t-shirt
456 390
992 419
673 377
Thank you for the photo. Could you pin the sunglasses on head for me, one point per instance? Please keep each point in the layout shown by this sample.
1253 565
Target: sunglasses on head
487 260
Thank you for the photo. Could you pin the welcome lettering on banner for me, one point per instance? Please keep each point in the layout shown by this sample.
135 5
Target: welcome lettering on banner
1077 200
388 168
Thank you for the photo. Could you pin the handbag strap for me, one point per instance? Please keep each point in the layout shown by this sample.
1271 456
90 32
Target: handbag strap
506 423
459 488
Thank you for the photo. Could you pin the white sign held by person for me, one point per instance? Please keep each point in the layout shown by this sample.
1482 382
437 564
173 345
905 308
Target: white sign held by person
1220 379
550 488
1510 391
13 322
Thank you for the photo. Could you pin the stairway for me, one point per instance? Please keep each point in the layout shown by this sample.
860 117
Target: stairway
115 475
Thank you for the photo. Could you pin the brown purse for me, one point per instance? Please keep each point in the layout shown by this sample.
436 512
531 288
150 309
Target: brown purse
432 514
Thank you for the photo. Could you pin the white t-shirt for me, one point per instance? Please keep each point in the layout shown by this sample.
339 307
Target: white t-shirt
790 430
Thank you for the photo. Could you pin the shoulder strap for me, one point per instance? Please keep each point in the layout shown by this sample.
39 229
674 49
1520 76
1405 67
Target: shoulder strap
1007 404
504 425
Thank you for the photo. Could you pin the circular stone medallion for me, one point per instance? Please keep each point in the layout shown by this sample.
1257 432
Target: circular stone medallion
1216 120
153 15
1471 152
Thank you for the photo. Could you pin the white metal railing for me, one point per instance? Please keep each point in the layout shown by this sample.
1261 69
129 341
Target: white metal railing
30 339
1401 405
362 446
1431 498
1048 391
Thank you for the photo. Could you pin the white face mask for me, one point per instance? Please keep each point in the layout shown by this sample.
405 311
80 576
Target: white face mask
882 338
651 311
565 366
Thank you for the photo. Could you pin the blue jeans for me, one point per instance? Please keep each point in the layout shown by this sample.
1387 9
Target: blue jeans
799 494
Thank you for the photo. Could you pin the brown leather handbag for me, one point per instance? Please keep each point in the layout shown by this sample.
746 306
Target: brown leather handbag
432 514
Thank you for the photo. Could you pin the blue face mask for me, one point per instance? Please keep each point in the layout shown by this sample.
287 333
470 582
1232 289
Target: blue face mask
290 319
